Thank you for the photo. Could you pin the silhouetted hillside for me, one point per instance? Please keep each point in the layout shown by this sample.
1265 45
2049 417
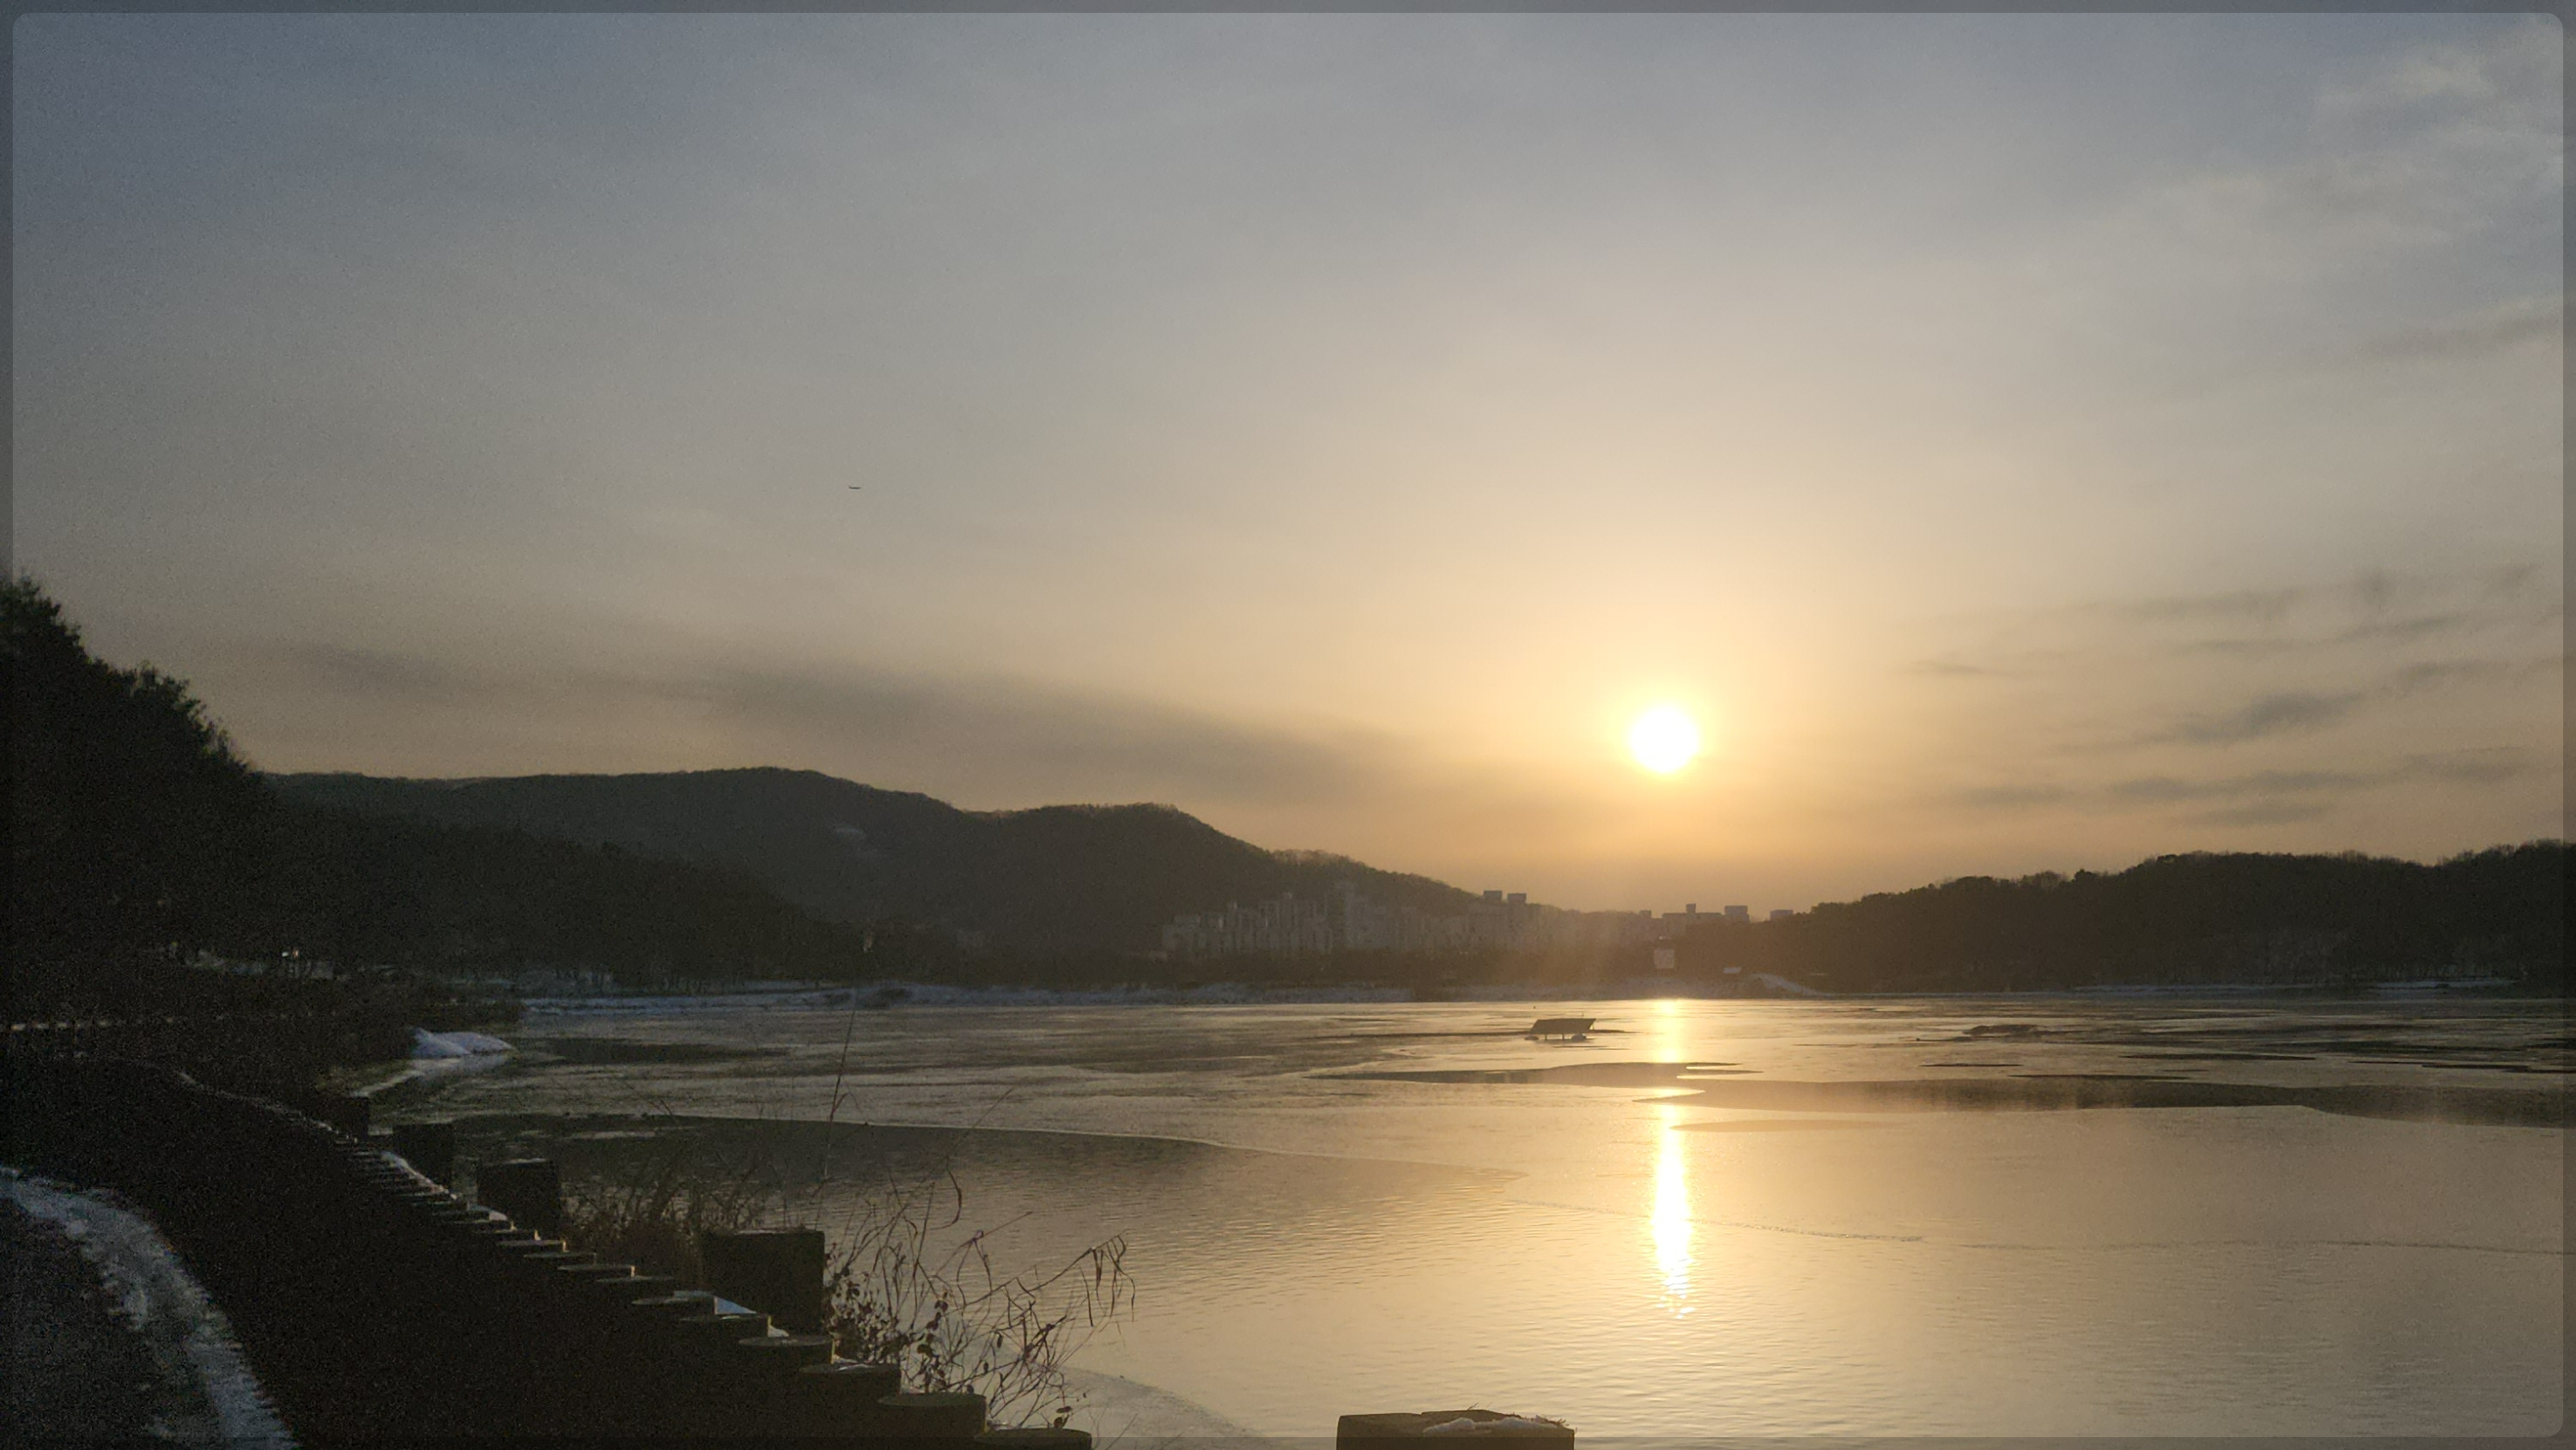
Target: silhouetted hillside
1073 879
132 822
2199 918
139 838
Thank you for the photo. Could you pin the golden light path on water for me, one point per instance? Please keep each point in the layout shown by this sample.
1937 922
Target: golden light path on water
1669 1220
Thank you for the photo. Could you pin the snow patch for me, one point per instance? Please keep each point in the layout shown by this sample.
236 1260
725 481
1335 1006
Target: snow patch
425 1043
1122 1411
185 1334
1783 984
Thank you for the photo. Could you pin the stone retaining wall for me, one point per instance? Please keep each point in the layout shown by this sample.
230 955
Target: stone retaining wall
374 1303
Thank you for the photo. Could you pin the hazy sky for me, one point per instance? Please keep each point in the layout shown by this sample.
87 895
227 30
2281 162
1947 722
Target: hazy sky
2022 442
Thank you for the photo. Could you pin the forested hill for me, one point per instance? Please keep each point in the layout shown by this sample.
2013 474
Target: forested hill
139 838
1056 879
2198 918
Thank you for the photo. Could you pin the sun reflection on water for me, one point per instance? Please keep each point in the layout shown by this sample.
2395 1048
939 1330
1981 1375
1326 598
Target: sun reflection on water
1671 1220
1667 1029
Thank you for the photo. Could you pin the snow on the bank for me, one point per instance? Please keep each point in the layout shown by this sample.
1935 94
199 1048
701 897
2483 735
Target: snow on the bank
1783 984
1500 1425
425 1043
1120 1410
183 1332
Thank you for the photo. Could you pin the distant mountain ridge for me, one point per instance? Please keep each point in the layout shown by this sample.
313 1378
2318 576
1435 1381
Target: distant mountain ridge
1063 879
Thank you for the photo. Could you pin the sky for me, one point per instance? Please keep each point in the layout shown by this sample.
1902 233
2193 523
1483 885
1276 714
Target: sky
2020 442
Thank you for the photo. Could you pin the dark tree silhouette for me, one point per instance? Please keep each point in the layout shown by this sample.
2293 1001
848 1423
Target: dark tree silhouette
140 839
2199 918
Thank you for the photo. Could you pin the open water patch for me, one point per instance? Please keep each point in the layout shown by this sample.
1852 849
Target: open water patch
1777 1125
1582 1074
2499 1107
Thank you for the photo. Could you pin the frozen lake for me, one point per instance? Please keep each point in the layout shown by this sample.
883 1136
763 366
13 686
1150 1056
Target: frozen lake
1946 1217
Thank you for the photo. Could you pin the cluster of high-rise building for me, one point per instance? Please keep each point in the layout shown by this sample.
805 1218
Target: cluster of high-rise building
1349 921
1283 927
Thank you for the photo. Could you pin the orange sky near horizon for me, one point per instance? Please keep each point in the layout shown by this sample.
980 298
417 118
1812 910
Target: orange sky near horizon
2019 442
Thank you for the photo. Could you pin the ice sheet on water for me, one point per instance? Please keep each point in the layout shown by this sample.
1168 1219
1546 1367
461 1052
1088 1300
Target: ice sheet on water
700 1002
916 994
1215 994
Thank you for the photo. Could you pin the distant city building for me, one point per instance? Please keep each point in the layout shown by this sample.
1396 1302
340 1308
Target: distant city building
1367 926
1782 914
1352 922
1739 913
1673 923
1285 927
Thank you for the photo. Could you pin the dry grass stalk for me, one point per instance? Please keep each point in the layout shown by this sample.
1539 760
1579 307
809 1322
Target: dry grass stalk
651 1213
949 1320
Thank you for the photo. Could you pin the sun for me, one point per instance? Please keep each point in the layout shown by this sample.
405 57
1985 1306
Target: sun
1664 739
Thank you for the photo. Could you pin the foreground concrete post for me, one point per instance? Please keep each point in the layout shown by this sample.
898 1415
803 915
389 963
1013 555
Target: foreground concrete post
838 1399
715 1335
776 1271
529 1190
779 1355
631 1289
429 1147
1035 1438
348 1112
933 1416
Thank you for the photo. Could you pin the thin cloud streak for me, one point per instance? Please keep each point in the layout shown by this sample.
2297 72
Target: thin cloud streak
2293 711
2528 322
2262 795
883 722
2269 715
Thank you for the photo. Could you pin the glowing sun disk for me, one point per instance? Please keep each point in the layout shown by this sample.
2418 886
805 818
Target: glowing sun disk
1663 739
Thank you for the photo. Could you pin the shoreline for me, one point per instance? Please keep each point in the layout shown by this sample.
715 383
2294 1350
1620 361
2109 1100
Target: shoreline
814 997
